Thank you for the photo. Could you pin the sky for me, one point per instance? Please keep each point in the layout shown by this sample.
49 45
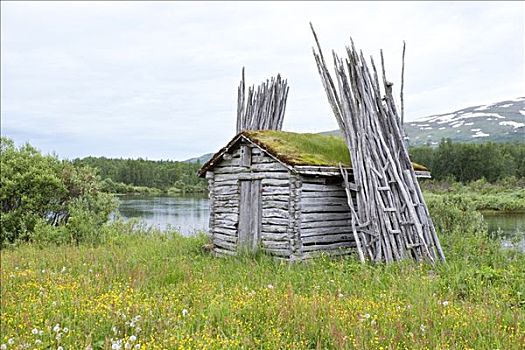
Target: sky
158 80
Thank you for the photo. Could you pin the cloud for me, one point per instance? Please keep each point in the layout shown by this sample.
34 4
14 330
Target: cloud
159 79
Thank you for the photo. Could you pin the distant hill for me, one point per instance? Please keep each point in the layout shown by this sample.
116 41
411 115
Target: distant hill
497 122
202 159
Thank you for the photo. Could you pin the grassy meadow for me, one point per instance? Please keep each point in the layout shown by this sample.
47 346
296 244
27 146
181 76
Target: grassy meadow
164 291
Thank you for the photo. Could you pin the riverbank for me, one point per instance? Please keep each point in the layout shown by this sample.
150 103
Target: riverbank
166 291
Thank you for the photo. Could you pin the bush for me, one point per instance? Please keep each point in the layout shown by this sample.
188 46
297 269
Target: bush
45 199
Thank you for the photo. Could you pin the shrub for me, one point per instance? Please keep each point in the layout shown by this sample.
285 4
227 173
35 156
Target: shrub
45 199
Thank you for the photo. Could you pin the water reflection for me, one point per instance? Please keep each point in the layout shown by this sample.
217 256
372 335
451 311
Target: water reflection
188 214
509 226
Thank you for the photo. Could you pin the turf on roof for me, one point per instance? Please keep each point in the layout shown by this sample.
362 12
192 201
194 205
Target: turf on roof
305 149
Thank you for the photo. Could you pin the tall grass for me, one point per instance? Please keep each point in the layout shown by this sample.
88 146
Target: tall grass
164 291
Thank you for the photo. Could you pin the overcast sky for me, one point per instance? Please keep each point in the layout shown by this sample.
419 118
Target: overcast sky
159 80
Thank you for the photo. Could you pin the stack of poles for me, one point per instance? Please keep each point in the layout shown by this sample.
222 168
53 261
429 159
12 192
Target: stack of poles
262 109
390 220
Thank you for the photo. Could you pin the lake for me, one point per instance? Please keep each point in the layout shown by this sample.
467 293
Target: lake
189 214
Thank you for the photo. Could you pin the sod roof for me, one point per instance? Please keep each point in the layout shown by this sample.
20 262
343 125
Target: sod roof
297 148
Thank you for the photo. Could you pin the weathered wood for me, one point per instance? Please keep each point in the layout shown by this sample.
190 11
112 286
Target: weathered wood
274 236
316 231
246 156
269 204
315 208
326 200
316 217
225 230
275 221
252 176
275 213
386 190
271 182
334 238
320 247
307 187
320 194
326 223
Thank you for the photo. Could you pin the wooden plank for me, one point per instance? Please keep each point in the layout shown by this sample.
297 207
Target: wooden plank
269 167
269 204
275 221
274 228
225 230
274 182
275 213
325 201
226 238
321 188
244 216
333 194
245 156
273 236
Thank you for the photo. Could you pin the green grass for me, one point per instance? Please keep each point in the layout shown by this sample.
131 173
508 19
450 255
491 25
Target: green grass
168 293
306 149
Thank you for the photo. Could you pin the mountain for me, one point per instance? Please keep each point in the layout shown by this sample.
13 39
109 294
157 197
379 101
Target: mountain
498 122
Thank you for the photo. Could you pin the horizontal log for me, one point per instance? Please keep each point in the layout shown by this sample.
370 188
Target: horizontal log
275 213
275 197
318 217
275 221
274 182
227 224
324 239
225 190
321 194
224 230
322 247
232 182
315 231
228 217
274 228
226 238
325 201
261 159
221 210
268 204
314 208
276 245
226 197
327 223
272 236
272 167
253 176
320 188
224 244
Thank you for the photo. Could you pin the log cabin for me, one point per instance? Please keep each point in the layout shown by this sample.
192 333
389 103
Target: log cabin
281 192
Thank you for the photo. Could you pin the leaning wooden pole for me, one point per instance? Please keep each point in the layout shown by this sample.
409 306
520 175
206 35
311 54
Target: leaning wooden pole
391 222
262 108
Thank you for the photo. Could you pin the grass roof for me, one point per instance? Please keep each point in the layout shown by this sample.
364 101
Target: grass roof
305 149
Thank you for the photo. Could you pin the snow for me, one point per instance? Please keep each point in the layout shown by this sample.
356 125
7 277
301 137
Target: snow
468 124
506 105
515 125
427 128
442 128
478 115
480 134
482 108
475 129
519 99
457 124
522 112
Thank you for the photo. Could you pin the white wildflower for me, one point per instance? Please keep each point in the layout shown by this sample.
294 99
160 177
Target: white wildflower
114 329
3 347
34 331
60 348
184 312
10 341
38 341
340 295
127 346
422 327
138 329
63 269
90 270
66 329
445 303
137 346
59 335
270 286
56 328
115 346
132 338
40 332
367 316
43 270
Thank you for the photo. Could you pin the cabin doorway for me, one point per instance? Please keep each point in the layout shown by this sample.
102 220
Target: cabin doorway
250 209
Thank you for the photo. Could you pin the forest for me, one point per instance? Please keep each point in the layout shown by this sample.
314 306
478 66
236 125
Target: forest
466 162
141 175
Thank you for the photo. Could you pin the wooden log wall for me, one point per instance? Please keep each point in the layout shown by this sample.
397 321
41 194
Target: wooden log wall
324 220
276 229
